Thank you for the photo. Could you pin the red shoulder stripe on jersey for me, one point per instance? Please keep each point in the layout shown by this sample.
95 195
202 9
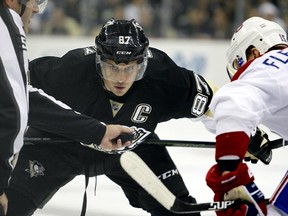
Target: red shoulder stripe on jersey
241 70
232 143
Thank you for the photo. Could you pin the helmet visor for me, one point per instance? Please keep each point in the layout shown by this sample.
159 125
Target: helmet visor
39 4
130 72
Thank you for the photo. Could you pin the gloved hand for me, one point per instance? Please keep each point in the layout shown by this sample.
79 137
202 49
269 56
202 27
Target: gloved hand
259 148
237 185
137 137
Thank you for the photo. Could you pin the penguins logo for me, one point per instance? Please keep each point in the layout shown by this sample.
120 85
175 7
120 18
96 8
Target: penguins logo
35 169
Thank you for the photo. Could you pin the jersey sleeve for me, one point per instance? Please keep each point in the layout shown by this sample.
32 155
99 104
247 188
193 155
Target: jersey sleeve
239 107
50 115
56 117
183 93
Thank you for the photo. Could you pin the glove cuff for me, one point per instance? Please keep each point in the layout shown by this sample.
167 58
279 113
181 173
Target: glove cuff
232 143
222 183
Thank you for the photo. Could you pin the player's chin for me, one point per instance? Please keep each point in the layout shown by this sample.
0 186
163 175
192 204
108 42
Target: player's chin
119 91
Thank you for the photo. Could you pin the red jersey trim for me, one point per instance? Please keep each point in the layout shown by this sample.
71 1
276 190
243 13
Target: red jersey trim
241 70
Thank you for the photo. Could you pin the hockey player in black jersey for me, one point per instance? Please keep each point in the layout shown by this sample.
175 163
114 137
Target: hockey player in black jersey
44 111
119 81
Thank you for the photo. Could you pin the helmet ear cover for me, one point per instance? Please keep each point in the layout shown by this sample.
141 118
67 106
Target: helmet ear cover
23 6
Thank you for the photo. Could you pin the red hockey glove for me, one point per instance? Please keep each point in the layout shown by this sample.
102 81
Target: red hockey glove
237 185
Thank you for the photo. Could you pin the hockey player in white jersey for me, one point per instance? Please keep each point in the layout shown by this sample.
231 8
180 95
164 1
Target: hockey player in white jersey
257 94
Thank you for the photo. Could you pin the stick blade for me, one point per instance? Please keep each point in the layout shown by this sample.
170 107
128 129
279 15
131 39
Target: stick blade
144 176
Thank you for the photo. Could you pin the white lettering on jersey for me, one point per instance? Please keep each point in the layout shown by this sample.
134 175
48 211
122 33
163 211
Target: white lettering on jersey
141 109
200 100
201 84
199 105
23 42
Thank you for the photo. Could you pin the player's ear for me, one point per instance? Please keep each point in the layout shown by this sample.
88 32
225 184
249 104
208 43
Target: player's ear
252 54
255 52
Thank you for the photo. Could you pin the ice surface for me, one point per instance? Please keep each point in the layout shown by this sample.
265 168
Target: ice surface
192 163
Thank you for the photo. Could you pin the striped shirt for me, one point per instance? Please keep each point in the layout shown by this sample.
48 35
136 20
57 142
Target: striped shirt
13 89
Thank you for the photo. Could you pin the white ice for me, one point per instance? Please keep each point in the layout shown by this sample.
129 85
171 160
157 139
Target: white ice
193 163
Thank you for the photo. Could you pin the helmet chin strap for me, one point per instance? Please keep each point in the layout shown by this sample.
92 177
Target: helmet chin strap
23 7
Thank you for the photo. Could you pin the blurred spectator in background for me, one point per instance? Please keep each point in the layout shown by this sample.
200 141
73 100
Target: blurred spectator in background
269 11
61 24
95 12
221 26
212 19
142 11
71 8
194 24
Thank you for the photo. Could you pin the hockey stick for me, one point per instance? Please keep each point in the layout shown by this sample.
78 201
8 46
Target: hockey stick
144 176
274 144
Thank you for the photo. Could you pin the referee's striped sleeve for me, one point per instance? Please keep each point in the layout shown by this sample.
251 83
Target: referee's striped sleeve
13 90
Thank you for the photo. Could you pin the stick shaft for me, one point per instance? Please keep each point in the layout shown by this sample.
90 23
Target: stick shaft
173 143
274 144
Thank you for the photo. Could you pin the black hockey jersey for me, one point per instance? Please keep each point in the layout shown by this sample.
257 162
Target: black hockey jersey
166 91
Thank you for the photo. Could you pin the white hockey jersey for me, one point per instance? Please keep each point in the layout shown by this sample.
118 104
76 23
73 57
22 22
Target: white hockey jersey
258 94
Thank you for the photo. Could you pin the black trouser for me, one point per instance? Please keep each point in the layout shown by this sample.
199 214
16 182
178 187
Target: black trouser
42 170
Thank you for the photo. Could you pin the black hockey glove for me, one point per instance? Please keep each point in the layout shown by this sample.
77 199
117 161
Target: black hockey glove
258 148
139 135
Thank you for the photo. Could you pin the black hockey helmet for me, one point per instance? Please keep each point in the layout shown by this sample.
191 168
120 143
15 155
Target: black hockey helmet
122 41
